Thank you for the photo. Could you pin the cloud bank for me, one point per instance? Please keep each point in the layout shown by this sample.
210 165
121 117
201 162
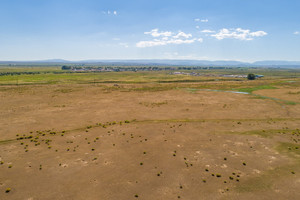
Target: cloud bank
238 33
167 37
208 31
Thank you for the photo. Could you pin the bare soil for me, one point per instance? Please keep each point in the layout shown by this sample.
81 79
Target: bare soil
106 142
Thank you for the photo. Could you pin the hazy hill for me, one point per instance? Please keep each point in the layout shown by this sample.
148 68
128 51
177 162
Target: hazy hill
159 62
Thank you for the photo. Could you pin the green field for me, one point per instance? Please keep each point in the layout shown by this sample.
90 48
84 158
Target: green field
54 75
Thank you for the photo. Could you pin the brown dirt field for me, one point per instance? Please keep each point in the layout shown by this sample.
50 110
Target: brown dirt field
290 94
106 142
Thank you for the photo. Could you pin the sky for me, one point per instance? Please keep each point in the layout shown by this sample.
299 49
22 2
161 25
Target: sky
242 30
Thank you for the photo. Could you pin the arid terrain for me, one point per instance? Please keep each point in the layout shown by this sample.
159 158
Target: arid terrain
180 140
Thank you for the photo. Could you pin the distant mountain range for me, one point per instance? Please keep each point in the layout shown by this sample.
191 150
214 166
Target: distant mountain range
159 62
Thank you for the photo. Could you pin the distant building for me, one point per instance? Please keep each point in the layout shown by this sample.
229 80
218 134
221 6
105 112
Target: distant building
259 76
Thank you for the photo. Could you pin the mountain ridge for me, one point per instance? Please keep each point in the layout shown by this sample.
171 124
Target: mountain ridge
161 62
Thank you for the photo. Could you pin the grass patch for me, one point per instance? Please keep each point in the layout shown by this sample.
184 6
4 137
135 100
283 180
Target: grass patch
213 120
297 93
292 150
154 104
248 91
252 89
261 183
7 141
264 133
261 133
265 181
64 90
290 103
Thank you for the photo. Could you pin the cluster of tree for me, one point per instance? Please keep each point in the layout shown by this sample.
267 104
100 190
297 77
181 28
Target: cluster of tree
195 68
251 77
119 68
17 73
32 73
66 67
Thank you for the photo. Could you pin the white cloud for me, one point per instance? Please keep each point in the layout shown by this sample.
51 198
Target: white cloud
167 37
182 34
238 33
110 12
116 39
197 27
155 33
157 42
296 33
201 20
258 34
208 31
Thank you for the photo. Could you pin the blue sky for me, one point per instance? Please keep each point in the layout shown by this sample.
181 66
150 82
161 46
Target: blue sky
244 30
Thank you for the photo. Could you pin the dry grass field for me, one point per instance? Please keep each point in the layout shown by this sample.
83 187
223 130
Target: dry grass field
151 140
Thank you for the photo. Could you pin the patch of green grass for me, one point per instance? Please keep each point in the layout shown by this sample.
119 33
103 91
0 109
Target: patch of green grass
265 180
292 150
64 90
248 91
44 74
259 97
294 93
261 133
212 120
7 141
290 103
252 89
153 104
260 183
280 101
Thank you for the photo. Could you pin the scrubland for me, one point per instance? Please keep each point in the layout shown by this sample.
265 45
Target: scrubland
149 135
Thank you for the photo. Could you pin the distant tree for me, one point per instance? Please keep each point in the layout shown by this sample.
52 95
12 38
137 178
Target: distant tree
251 76
66 67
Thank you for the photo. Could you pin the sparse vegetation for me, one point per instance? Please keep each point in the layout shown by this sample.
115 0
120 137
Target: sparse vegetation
212 131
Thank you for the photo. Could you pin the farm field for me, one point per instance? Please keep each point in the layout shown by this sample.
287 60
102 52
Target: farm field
149 135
